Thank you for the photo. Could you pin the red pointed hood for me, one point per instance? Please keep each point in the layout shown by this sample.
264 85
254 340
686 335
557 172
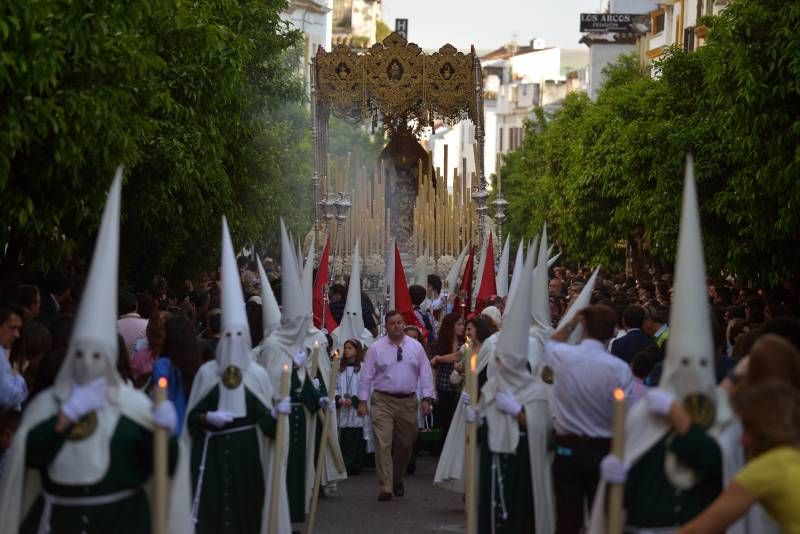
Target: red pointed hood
402 299
488 287
319 289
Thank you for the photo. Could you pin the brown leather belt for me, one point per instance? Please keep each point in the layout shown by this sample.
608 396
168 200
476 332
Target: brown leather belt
396 395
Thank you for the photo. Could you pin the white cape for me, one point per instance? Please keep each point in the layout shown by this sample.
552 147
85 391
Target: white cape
450 469
20 486
255 379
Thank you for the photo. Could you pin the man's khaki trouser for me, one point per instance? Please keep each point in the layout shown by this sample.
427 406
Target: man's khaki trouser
394 425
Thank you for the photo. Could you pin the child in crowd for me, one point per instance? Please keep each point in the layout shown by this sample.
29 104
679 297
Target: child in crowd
351 425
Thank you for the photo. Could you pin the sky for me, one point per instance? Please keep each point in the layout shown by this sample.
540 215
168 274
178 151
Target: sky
489 24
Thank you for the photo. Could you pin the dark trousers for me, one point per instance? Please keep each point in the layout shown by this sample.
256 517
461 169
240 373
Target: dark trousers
444 411
576 471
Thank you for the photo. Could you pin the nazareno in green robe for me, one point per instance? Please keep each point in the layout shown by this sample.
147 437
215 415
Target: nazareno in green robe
130 467
304 397
650 498
513 491
232 495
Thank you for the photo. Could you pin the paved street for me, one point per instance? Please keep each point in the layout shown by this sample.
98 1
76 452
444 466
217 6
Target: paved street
423 509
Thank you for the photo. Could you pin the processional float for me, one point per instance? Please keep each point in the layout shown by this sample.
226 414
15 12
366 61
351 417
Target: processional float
405 90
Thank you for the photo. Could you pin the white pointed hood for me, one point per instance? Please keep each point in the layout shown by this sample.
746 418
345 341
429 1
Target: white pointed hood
540 306
518 263
308 277
501 280
270 311
552 260
95 330
352 324
689 362
512 343
295 318
451 281
233 349
583 299
421 269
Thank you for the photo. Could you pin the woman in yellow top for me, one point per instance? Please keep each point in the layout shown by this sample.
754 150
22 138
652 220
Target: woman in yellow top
770 415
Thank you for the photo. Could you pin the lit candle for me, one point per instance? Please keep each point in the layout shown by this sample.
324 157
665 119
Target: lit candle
471 493
277 469
326 421
160 459
616 491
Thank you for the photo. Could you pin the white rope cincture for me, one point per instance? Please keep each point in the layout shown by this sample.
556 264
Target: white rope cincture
51 500
201 471
497 478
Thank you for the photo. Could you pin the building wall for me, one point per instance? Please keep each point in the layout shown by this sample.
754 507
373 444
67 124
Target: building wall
313 20
600 56
537 65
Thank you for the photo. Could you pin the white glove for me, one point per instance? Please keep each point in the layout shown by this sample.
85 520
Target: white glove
506 403
613 470
219 418
299 358
323 403
472 415
85 399
465 398
165 416
659 401
284 406
315 382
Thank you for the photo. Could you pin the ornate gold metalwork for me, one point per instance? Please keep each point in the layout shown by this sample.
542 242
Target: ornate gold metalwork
449 83
231 377
340 81
547 375
395 78
701 409
84 427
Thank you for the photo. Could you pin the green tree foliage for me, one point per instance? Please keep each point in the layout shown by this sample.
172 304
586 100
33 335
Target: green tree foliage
198 100
607 175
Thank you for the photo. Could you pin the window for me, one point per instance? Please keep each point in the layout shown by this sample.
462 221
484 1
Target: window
688 39
658 23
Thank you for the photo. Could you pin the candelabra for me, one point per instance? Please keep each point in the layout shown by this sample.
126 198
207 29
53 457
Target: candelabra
340 207
500 204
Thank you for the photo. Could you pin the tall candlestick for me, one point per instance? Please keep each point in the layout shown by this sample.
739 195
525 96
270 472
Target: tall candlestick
315 360
277 468
326 421
470 488
160 459
616 491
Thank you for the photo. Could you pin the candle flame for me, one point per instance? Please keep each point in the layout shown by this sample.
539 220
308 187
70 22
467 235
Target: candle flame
336 354
316 344
162 382
285 367
619 394
473 362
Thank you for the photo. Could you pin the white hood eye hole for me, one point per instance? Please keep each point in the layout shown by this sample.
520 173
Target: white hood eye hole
685 361
227 334
238 333
703 362
79 354
96 355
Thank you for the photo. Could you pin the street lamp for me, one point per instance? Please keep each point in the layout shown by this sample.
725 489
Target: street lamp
500 204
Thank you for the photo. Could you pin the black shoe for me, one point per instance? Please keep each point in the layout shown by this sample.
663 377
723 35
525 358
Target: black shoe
399 490
412 467
384 496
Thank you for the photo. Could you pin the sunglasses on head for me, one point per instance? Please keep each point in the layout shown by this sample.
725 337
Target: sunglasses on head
399 354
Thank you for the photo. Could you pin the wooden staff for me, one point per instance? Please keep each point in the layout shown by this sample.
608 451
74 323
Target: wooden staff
616 491
326 418
160 459
277 467
315 360
471 492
